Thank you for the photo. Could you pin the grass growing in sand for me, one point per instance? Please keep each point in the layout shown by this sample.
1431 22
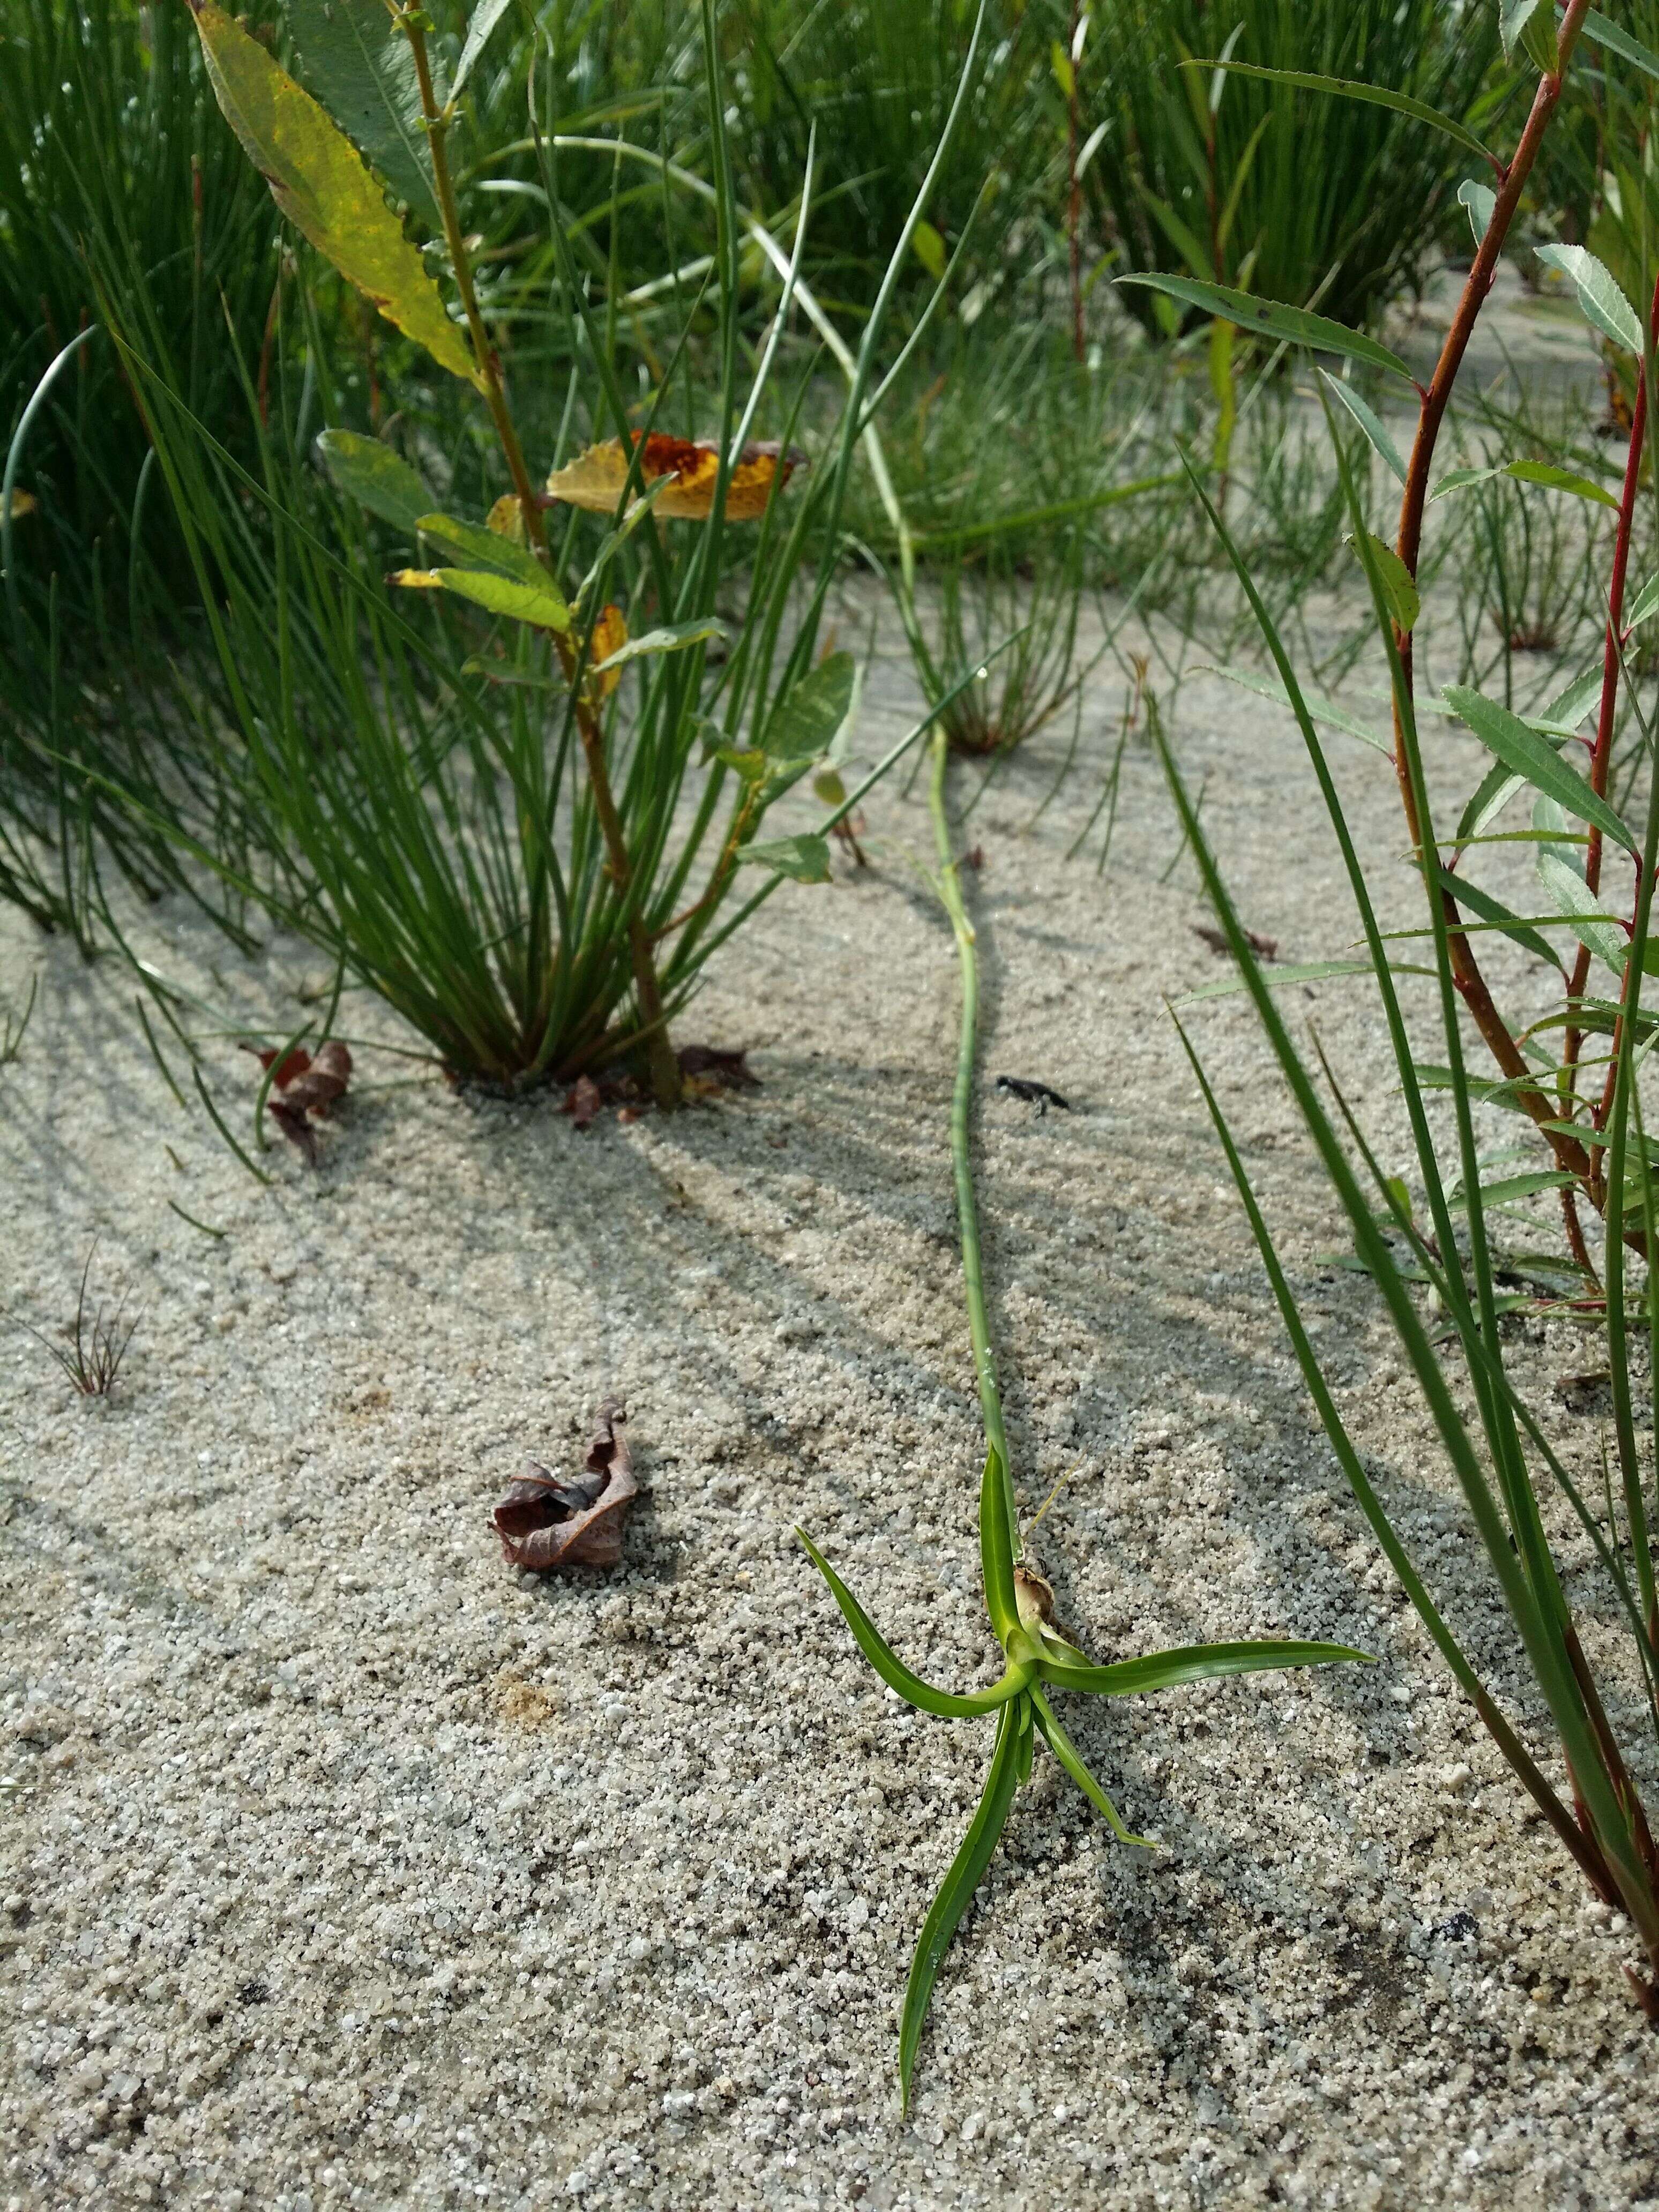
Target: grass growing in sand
1568 1079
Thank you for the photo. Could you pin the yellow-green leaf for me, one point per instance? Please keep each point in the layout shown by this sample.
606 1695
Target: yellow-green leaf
539 605
319 180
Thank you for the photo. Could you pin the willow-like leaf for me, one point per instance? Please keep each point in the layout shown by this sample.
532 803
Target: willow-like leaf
317 180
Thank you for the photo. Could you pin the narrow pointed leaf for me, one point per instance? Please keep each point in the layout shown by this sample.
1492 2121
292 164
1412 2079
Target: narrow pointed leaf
368 471
804 859
475 545
893 1670
1305 971
1399 586
1528 754
1267 319
1481 202
1194 1663
363 71
317 180
1322 709
1381 444
485 17
966 1871
1072 1760
995 1549
1555 479
1481 902
1348 88
807 720
1600 32
675 637
1589 919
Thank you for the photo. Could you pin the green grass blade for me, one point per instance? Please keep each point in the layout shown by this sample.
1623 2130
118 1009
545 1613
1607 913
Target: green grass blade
1072 1760
892 1669
945 1914
1192 1663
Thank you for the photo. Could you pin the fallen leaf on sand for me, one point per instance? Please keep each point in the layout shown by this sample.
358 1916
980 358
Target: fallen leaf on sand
547 1521
306 1084
595 478
583 1101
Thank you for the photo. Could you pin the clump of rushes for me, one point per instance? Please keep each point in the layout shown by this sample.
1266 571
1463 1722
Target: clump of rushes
1580 1096
515 809
1040 1657
95 1346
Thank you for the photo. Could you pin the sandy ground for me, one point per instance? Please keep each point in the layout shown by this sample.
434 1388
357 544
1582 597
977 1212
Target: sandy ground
349 1867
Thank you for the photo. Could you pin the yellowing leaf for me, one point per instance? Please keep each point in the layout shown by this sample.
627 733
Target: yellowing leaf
595 479
20 504
538 605
609 636
317 180
505 519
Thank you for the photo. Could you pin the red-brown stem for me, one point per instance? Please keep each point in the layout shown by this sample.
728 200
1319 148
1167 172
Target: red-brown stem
1471 984
1601 756
1074 211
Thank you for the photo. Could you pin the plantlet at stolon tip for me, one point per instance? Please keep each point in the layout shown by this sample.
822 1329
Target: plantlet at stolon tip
1040 1657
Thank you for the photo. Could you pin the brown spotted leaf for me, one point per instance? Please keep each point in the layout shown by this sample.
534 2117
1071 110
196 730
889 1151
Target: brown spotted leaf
595 478
547 1521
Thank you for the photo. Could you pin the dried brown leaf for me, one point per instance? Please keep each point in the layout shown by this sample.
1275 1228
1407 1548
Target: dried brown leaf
306 1084
547 1521
583 1101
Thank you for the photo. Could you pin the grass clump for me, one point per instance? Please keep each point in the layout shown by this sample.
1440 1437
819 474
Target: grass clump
94 1345
509 767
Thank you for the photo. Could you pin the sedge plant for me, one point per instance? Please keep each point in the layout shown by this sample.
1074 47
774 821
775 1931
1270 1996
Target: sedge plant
1573 1075
515 786
1040 1659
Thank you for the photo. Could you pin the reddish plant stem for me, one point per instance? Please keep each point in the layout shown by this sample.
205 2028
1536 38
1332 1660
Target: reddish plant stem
1601 756
1470 983
1074 211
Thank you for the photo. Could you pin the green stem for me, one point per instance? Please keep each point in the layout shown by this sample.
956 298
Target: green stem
973 1275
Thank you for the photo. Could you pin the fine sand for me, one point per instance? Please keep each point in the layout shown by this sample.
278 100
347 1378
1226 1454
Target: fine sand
347 1866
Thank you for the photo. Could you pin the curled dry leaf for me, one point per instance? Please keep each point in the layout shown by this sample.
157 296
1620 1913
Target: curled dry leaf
547 1521
595 478
583 1101
306 1084
707 1068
